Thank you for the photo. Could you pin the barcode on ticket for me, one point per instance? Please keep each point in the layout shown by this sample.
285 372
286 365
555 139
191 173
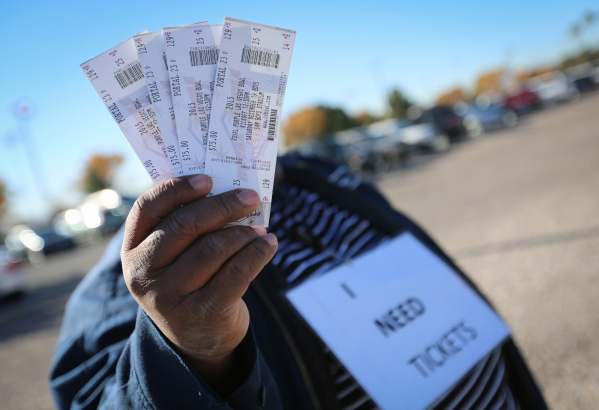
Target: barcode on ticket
129 74
272 125
203 56
261 57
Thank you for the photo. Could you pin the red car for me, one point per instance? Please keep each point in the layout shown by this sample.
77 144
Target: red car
522 102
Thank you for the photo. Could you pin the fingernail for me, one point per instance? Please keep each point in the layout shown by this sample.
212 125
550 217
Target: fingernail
260 230
271 239
248 197
200 182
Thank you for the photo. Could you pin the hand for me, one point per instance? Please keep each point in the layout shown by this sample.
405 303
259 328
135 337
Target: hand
188 274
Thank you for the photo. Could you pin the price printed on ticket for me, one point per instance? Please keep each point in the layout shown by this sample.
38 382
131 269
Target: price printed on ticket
251 76
152 58
401 321
191 56
201 98
118 78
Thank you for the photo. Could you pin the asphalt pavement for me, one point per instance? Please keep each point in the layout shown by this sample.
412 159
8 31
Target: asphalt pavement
517 209
519 212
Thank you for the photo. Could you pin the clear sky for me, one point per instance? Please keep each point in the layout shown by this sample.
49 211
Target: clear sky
347 53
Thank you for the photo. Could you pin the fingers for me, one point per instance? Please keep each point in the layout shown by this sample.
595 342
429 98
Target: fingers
158 202
230 283
196 266
186 224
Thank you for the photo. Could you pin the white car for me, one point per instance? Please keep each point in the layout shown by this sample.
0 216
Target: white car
553 87
410 134
12 279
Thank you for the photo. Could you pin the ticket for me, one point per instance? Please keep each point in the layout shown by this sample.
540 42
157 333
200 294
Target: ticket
191 54
152 57
251 77
118 78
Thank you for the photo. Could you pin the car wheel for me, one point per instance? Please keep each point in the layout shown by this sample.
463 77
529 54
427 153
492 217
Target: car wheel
510 119
474 128
381 166
441 144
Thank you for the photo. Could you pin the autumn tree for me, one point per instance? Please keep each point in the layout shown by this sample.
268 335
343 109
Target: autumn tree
3 199
366 118
312 122
398 104
99 172
451 97
489 81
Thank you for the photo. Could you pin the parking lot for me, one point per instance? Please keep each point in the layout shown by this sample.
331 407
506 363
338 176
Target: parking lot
518 210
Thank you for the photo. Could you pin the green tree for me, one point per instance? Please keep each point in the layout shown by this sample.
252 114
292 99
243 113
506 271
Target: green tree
366 118
591 19
398 104
336 119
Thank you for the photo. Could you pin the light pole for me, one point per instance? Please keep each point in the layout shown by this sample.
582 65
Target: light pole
23 112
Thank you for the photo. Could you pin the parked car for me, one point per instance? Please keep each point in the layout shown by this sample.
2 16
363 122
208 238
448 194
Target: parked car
522 102
553 88
582 77
101 213
446 120
54 242
483 116
363 151
12 279
24 244
410 135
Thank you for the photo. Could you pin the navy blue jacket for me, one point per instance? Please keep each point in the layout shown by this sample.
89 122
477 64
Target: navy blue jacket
111 355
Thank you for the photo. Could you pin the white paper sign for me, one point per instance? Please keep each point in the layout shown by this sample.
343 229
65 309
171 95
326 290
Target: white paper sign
402 322
152 57
192 53
251 77
117 77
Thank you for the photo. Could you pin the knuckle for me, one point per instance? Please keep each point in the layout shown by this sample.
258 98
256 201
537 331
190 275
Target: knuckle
137 284
240 271
224 206
144 204
214 246
178 222
260 249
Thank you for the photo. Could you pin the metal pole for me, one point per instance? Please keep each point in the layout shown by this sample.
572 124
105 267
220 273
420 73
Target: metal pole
22 114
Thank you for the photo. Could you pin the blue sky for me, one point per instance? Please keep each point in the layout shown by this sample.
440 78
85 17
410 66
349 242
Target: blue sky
347 53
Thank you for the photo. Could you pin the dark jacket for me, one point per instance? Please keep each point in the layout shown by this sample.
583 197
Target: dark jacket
110 354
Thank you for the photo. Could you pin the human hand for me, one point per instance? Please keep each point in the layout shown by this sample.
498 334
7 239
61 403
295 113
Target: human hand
188 274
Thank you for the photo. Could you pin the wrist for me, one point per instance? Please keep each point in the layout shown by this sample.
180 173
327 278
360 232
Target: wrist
226 372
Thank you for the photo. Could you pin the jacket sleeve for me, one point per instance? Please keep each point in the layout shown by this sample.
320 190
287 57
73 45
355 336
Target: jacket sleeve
110 355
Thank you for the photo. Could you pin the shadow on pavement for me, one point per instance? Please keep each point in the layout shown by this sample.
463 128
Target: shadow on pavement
35 310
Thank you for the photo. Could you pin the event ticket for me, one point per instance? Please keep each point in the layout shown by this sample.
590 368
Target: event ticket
118 78
191 56
251 77
152 57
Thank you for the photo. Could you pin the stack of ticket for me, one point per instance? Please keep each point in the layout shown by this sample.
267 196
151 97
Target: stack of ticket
201 98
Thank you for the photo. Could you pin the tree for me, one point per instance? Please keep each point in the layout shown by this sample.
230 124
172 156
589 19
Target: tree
99 172
451 97
398 104
304 125
489 81
336 119
312 122
3 199
591 19
576 33
365 118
